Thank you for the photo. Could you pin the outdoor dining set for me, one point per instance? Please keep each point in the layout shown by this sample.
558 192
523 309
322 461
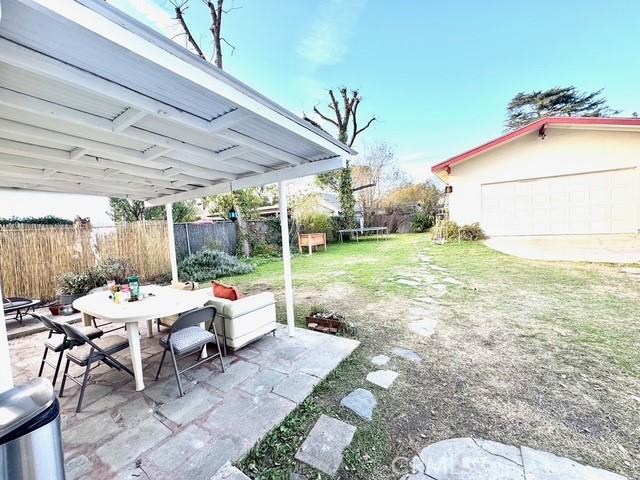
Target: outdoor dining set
188 323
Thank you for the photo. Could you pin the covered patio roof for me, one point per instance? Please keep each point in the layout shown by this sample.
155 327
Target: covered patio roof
94 102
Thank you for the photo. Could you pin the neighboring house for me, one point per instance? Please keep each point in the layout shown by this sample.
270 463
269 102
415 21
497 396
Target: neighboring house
571 175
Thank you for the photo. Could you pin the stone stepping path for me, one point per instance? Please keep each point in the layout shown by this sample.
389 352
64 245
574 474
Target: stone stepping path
361 402
382 378
229 472
379 360
407 354
438 268
325 445
411 283
475 459
424 328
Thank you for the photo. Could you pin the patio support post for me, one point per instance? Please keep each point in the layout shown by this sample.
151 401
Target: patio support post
6 373
286 257
172 243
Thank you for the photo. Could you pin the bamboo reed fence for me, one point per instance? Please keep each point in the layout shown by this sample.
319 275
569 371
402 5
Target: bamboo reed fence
32 257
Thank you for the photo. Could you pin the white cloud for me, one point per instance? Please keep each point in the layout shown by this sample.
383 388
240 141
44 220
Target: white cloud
330 34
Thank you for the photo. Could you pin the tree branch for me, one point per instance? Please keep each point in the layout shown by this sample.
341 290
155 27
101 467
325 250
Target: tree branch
362 187
325 118
180 9
336 109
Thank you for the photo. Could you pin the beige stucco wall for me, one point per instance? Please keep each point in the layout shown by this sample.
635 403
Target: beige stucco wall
562 152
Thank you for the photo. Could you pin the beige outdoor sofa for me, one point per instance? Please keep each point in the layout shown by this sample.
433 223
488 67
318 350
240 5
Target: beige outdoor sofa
246 319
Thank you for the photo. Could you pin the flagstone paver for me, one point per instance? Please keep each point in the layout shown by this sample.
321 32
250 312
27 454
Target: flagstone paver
229 472
263 382
476 459
360 401
452 281
540 465
379 360
325 444
425 328
207 427
186 409
77 467
297 386
438 268
382 378
128 445
411 283
233 376
407 354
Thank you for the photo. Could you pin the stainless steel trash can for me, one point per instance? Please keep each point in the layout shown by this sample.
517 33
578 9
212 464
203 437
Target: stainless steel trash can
30 436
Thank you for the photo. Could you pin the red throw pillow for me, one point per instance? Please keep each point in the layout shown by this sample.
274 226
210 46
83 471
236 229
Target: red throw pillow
221 290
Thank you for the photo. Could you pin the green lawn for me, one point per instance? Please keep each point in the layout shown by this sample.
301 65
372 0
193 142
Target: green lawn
543 354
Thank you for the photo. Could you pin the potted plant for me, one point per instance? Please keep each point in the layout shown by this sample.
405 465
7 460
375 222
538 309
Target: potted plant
73 285
324 320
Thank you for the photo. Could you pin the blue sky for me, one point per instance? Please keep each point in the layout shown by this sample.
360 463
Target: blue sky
437 74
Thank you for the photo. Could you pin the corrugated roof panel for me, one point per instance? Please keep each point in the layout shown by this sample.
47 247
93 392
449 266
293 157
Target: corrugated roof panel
279 137
52 36
22 81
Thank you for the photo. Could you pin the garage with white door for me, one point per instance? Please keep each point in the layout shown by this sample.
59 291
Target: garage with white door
557 176
587 203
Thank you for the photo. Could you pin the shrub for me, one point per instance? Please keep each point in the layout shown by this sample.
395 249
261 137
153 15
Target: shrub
209 264
472 232
315 223
264 249
112 269
451 231
75 283
79 283
421 222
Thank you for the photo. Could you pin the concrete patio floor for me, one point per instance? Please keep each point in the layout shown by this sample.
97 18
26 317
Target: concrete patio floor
124 434
574 248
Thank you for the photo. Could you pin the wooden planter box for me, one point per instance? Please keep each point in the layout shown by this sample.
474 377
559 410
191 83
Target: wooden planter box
310 240
326 325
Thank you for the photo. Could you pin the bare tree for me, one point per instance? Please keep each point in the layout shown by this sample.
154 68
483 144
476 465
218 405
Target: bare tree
216 12
345 115
377 173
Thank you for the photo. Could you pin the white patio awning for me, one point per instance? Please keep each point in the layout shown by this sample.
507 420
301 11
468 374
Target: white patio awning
94 102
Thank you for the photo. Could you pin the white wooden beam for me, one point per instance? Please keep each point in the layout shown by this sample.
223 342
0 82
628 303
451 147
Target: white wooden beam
92 146
261 147
77 153
172 244
228 120
52 154
286 257
274 176
154 152
195 154
126 119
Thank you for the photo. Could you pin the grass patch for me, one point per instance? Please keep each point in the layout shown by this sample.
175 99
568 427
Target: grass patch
542 354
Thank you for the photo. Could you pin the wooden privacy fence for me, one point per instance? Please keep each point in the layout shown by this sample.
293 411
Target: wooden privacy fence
193 237
145 245
32 257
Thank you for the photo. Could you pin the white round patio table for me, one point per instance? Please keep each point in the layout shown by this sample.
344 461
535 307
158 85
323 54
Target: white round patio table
163 302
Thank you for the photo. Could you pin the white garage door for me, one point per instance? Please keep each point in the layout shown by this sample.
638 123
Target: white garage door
602 202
